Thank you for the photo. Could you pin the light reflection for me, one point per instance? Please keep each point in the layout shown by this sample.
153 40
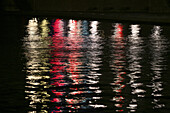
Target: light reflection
73 68
118 66
78 35
63 70
58 66
37 66
134 59
75 42
94 52
158 65
94 62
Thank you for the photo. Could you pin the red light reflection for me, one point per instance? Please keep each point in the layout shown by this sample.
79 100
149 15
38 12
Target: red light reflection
58 62
119 66
66 62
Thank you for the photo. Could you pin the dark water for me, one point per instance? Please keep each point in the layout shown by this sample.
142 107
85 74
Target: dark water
92 66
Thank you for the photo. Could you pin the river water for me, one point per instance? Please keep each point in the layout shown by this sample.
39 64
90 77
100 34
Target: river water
95 66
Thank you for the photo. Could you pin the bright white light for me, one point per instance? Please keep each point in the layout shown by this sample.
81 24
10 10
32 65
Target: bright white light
135 30
98 106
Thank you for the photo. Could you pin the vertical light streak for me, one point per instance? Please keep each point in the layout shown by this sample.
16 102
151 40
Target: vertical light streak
118 66
74 63
36 66
134 60
94 50
158 65
74 41
58 67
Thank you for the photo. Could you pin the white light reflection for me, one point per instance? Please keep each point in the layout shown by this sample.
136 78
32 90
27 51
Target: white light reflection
158 48
98 106
134 58
94 52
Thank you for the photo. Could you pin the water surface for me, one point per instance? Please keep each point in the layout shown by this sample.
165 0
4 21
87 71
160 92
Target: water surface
95 66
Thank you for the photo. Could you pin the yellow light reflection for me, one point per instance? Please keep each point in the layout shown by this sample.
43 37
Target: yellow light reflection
36 66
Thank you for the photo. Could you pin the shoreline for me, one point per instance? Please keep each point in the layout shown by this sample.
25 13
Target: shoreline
116 16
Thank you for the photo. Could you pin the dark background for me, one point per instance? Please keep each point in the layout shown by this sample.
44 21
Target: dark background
14 15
